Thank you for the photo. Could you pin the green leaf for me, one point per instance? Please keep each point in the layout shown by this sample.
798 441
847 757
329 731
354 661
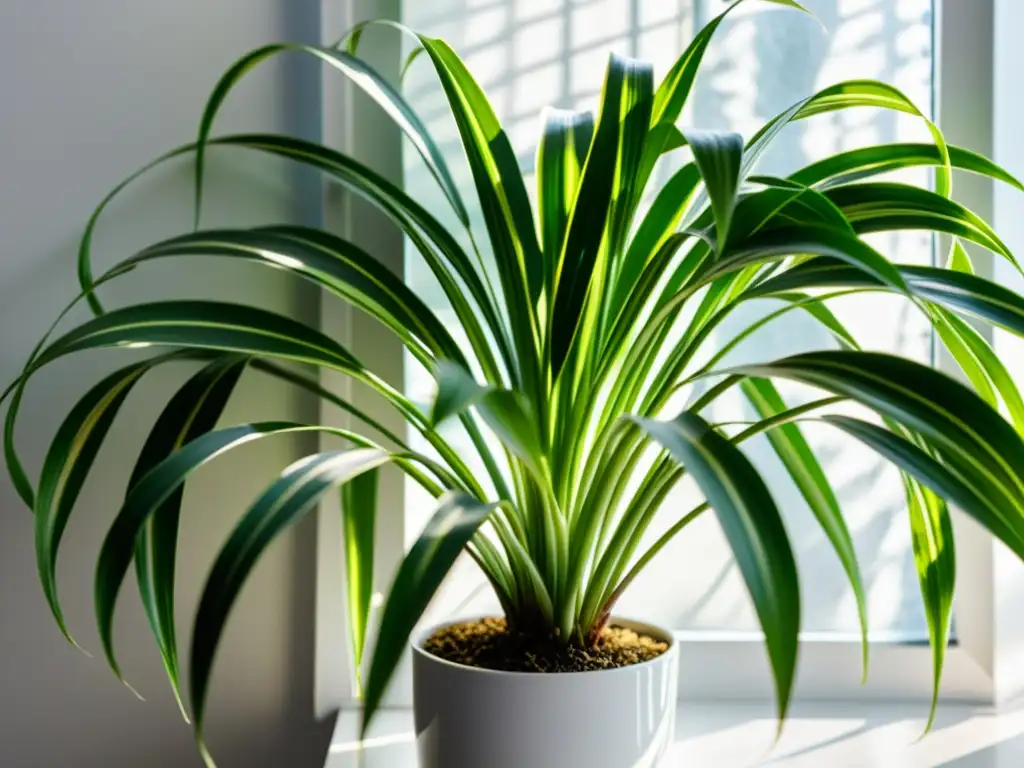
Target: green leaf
777 204
849 94
931 528
951 479
719 157
511 417
934 557
414 220
457 392
605 195
959 260
964 293
881 206
70 457
362 76
952 337
149 494
358 518
822 241
503 200
281 505
508 414
674 90
866 162
193 411
802 466
341 267
655 229
203 325
753 527
992 367
450 528
561 153
942 410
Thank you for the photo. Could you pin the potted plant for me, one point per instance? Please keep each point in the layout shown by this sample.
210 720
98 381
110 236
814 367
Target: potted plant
565 380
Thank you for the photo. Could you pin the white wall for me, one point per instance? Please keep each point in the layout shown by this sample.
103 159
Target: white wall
89 91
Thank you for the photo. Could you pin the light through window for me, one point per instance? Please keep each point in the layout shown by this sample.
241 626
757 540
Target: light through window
528 54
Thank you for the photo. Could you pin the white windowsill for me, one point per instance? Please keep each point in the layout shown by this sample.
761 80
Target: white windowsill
740 735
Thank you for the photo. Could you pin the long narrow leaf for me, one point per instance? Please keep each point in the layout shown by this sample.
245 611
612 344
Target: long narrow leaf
194 410
753 526
561 153
358 518
281 505
802 466
70 457
148 495
920 398
364 77
962 292
866 162
626 96
420 574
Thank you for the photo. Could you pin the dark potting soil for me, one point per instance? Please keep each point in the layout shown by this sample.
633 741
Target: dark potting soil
488 644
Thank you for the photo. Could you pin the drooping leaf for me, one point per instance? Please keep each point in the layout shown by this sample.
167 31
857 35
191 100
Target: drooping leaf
753 527
881 206
426 233
507 413
362 76
457 391
961 292
802 466
931 532
281 505
719 156
931 527
867 162
70 457
951 478
193 410
329 261
148 495
993 367
419 575
358 518
946 413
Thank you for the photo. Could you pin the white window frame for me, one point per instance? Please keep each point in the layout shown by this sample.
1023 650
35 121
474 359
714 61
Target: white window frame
985 664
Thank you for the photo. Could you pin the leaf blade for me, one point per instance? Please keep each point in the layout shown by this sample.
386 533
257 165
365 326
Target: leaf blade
452 525
753 526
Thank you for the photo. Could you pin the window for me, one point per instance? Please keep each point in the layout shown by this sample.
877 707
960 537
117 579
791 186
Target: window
531 53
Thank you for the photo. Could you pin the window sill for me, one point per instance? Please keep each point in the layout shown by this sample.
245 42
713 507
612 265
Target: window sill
735 735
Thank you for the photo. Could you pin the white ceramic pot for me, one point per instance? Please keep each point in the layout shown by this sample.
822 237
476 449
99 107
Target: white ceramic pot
478 718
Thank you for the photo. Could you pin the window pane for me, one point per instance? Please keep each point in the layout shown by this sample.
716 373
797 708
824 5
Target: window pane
532 53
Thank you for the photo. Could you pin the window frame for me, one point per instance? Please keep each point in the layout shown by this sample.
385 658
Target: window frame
714 665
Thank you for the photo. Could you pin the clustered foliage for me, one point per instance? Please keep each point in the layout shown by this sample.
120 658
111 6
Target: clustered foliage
585 313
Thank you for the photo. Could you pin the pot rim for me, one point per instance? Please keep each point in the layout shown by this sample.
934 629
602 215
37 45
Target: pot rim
634 624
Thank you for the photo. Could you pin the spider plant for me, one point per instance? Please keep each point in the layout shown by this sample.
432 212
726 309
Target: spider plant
586 310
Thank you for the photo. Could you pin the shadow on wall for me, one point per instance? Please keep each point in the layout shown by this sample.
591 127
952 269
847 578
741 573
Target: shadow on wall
74 125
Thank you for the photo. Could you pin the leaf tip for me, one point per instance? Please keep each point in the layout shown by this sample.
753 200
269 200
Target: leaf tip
131 688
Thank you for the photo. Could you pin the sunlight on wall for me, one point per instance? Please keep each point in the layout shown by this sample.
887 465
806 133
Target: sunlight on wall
528 54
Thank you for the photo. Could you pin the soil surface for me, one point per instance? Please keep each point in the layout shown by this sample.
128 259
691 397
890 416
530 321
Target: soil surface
489 644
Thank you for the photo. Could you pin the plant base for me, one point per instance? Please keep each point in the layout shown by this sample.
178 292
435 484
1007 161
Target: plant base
488 644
